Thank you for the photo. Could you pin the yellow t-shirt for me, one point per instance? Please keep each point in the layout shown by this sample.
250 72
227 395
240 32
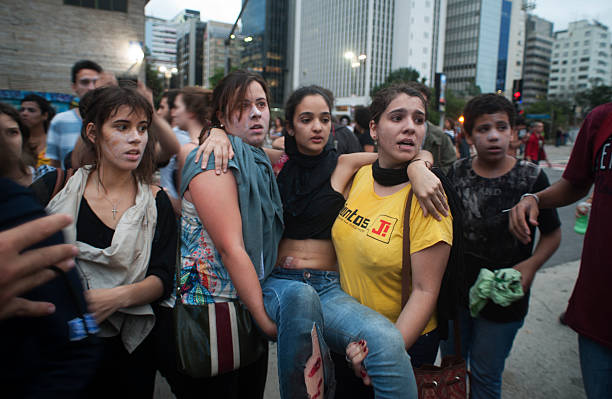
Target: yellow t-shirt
368 238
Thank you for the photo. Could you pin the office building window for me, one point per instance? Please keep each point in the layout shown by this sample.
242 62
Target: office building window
110 5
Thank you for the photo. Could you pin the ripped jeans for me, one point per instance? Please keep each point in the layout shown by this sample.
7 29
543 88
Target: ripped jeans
297 300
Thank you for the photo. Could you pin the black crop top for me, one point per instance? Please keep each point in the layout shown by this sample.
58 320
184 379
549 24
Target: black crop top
318 217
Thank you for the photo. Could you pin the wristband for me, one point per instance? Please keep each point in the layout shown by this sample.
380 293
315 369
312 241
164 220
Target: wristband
531 195
427 163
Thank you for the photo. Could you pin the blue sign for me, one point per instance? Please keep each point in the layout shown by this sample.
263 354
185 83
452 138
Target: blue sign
537 116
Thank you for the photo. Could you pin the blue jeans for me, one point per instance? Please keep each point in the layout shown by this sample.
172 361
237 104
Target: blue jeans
297 300
596 366
485 345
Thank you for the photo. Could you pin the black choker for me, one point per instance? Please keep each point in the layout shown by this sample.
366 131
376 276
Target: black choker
389 177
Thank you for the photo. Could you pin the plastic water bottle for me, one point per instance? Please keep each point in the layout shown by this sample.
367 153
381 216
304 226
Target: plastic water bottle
582 222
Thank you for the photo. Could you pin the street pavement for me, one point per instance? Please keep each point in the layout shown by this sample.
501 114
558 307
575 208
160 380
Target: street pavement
544 360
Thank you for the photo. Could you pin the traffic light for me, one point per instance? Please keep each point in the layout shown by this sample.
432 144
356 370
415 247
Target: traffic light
517 91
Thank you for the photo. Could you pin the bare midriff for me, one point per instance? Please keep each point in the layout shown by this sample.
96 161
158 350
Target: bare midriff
307 254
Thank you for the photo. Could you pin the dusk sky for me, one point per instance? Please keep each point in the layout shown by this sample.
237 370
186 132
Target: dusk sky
560 12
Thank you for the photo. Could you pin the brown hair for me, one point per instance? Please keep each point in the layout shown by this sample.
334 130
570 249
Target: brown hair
197 100
383 98
28 155
231 90
99 105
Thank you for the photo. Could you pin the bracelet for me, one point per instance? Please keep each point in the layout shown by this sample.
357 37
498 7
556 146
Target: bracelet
530 195
427 163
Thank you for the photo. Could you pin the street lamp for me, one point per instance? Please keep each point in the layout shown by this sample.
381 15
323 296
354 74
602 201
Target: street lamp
355 63
167 74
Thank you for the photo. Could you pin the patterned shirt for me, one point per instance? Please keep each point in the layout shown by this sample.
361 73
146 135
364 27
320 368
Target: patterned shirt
204 279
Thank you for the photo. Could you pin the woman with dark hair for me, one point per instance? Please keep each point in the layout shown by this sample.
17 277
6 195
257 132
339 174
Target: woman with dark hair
36 113
370 258
126 235
16 135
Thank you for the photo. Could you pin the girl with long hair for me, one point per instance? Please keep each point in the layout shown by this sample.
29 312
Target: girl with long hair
126 235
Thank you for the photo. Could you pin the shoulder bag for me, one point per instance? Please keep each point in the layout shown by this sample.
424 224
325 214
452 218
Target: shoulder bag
214 338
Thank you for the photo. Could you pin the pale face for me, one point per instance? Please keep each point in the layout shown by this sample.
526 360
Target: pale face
180 115
85 81
400 131
252 118
123 139
311 125
31 114
12 135
491 136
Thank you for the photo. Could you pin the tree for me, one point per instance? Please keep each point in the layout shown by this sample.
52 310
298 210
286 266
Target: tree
218 75
453 109
559 111
152 78
598 94
401 75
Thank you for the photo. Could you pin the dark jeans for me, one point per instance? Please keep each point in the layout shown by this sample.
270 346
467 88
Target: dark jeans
247 382
424 351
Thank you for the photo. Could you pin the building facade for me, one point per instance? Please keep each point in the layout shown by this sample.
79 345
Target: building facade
264 27
538 52
581 58
43 39
476 30
345 46
160 39
418 37
190 48
215 54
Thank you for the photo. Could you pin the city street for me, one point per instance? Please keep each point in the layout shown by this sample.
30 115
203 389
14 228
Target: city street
544 360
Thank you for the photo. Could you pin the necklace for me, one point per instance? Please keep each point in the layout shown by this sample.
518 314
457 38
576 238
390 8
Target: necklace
113 204
114 210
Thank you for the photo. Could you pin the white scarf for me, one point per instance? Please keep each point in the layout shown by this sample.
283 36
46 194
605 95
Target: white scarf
124 262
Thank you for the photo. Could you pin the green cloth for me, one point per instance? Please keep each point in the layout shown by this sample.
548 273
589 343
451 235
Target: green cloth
502 286
261 209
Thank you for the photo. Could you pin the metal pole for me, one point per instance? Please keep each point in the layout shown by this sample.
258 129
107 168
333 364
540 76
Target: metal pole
229 38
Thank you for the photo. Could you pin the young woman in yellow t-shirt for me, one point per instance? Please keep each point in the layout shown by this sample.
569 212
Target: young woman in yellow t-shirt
368 233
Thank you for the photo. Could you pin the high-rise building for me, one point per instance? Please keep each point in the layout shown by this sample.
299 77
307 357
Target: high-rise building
189 48
581 58
476 30
264 27
418 37
538 51
511 45
215 54
344 45
160 39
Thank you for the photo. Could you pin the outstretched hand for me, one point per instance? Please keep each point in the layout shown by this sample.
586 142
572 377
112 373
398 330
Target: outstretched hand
525 211
22 271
